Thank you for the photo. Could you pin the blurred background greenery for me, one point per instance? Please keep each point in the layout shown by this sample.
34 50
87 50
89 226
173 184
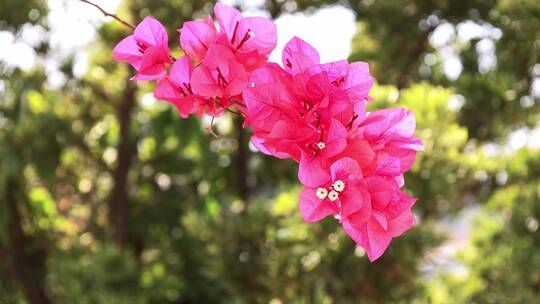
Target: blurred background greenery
109 197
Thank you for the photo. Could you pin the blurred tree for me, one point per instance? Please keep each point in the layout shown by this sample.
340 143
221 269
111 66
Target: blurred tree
14 13
108 197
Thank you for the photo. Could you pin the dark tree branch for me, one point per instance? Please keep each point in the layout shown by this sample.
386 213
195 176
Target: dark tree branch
119 195
85 149
99 91
241 161
33 289
421 46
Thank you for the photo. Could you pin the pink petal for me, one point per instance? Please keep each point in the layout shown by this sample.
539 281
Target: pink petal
185 107
400 180
270 73
380 218
181 71
401 223
218 56
260 145
205 77
319 88
359 218
227 18
335 139
407 143
251 60
237 78
401 202
335 70
166 90
127 50
312 208
263 107
153 65
264 35
395 123
371 237
298 56
359 66
344 167
394 161
355 201
358 82
204 83
195 38
312 172
380 190
361 151
151 32
375 242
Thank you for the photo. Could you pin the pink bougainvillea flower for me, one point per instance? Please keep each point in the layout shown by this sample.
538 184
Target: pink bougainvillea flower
326 141
298 56
339 193
390 216
176 88
252 39
315 114
391 134
302 60
196 37
219 74
146 50
304 109
361 151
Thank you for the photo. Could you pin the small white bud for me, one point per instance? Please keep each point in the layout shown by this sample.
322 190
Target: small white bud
321 193
333 195
338 185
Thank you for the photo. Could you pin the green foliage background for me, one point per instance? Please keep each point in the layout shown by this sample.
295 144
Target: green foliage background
104 201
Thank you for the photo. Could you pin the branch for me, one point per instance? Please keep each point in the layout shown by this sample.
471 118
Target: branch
240 114
126 150
107 14
84 148
421 46
22 267
241 160
210 129
99 91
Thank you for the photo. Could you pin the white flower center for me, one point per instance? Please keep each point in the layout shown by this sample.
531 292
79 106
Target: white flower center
321 193
338 185
321 145
333 195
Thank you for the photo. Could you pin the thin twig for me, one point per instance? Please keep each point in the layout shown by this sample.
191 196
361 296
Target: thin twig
210 128
235 113
229 110
107 14
236 102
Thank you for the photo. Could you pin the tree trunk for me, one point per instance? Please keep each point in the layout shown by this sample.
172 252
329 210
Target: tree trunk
119 196
241 162
32 287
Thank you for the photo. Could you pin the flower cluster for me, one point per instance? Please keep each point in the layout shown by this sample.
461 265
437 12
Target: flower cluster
351 162
224 56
